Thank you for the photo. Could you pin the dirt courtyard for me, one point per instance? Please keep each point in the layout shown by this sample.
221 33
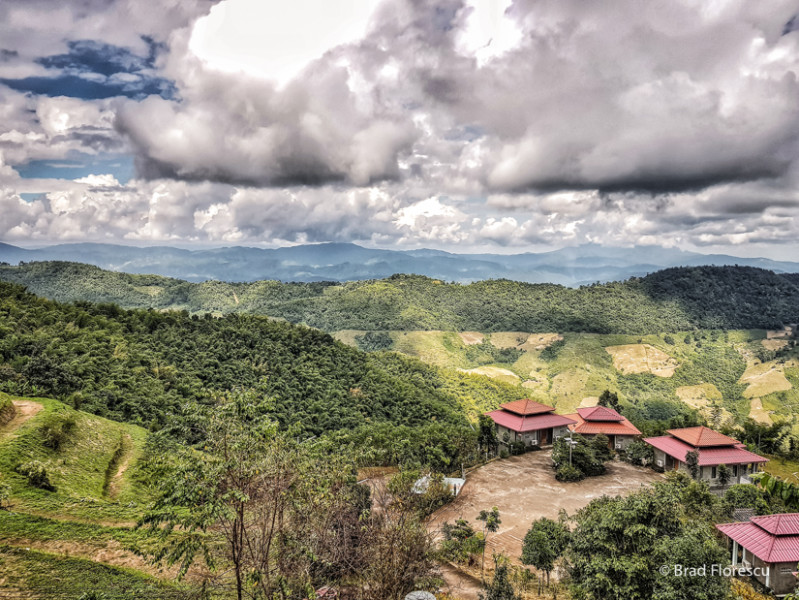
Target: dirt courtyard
524 488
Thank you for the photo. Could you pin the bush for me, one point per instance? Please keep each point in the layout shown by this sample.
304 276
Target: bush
504 453
638 452
567 472
36 474
56 429
5 493
517 448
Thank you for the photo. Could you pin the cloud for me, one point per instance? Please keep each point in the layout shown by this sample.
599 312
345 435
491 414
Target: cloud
458 123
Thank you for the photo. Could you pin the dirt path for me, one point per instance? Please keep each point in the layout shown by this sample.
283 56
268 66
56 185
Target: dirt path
124 463
25 410
459 584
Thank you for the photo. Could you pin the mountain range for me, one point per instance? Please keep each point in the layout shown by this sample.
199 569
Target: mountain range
572 266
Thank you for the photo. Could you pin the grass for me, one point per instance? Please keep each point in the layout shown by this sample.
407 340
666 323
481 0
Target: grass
79 468
40 574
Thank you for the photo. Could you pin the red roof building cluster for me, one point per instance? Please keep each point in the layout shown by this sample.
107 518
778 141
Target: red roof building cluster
772 538
524 416
714 448
601 420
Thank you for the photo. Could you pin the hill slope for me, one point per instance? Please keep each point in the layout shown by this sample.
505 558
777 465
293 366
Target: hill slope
671 300
141 366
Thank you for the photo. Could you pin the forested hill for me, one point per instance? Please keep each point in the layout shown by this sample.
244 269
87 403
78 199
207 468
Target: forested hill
674 299
142 366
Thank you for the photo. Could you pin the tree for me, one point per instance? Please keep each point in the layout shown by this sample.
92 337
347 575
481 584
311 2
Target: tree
544 544
273 505
619 545
500 587
610 399
491 523
724 474
692 462
487 437
581 455
638 452
461 542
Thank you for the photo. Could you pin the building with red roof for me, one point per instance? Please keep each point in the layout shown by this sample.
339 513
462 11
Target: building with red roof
768 548
598 420
713 449
530 422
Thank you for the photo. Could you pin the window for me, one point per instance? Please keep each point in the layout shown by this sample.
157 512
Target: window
713 473
735 470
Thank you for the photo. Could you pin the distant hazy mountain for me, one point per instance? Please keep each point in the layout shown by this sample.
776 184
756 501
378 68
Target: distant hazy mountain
349 262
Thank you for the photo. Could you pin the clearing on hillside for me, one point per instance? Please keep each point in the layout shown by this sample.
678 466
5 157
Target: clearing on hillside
25 410
774 344
470 338
758 413
642 358
499 373
589 401
702 397
524 341
764 379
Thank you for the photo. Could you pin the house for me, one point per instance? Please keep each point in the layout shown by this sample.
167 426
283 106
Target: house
767 548
529 422
598 420
713 448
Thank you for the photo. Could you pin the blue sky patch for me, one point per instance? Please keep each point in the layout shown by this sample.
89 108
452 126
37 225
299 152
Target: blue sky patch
80 165
92 70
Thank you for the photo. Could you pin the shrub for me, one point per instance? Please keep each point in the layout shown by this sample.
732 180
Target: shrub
56 429
517 448
504 453
36 474
638 452
567 472
5 493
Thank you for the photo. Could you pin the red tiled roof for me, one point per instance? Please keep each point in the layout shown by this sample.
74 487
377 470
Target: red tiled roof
599 413
702 437
773 538
523 424
708 457
527 407
585 427
784 524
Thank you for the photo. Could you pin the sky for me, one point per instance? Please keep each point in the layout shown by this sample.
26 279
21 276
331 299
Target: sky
464 125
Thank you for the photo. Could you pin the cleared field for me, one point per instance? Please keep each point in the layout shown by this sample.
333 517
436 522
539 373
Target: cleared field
528 342
702 397
774 344
758 413
589 401
642 358
499 373
471 337
569 389
764 379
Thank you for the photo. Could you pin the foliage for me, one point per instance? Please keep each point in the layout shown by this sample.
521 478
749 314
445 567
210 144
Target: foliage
610 399
36 474
743 495
491 523
692 462
373 341
779 489
487 436
569 473
671 300
586 456
724 474
638 452
149 368
619 544
5 493
544 543
500 587
56 428
461 542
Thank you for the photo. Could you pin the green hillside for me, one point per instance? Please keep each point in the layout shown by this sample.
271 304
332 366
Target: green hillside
671 300
67 527
727 376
